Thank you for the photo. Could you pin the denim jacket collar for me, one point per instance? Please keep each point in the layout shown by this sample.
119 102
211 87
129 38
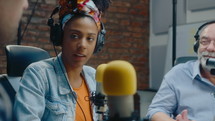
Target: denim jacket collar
65 88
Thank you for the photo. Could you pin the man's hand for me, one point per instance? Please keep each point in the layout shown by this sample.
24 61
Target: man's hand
182 116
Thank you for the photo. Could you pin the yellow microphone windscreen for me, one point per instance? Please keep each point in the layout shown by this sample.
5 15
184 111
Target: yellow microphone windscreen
119 78
100 72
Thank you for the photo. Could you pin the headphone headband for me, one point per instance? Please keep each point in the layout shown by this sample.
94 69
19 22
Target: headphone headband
196 36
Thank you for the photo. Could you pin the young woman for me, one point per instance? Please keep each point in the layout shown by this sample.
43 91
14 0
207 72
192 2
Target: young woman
58 89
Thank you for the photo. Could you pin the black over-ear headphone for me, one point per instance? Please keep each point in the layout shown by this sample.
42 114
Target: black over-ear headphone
197 36
56 33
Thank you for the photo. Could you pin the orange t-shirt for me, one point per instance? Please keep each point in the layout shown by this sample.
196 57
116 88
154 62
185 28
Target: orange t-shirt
83 100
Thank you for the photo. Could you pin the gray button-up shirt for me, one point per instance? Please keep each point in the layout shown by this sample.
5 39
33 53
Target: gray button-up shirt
183 87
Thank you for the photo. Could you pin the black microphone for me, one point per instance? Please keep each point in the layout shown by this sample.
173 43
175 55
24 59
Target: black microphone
98 97
211 62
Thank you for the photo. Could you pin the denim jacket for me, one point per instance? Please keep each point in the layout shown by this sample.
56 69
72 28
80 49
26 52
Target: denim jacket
45 94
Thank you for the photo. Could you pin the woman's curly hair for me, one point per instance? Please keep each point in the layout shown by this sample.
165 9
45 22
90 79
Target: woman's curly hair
102 5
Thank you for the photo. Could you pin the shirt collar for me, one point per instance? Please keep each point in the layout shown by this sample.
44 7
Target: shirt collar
197 75
196 69
64 88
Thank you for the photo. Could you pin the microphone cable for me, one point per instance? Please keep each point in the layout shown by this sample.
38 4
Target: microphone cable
69 84
29 20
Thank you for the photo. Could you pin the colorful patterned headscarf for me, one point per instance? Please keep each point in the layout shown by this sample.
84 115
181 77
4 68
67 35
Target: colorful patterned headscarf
69 7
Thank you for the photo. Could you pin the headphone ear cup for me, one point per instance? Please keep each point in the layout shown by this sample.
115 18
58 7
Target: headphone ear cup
196 46
100 40
56 35
56 31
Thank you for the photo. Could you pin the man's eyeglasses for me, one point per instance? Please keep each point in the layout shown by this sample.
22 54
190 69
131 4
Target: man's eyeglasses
206 41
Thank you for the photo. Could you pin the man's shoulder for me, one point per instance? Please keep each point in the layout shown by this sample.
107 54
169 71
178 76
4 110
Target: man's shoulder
182 69
187 65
